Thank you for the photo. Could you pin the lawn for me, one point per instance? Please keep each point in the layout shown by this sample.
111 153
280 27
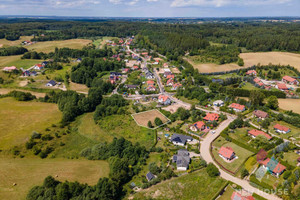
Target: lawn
143 118
291 158
295 132
227 194
50 46
28 172
192 186
115 126
18 120
249 86
240 152
241 135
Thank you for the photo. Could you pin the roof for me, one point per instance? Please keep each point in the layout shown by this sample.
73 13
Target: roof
150 176
282 86
256 80
182 158
273 165
9 68
52 82
39 65
211 117
170 81
170 76
226 152
256 133
237 106
260 113
163 97
219 102
288 78
150 82
132 86
238 196
180 138
199 124
282 128
251 72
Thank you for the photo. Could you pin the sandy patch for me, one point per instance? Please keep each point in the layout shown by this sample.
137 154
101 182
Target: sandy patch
173 108
23 83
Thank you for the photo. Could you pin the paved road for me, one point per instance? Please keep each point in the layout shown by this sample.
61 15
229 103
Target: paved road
205 153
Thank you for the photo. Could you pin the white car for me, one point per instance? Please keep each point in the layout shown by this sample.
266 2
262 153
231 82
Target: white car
213 132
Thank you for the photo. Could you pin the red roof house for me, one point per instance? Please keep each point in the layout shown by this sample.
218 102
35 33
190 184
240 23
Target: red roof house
237 107
170 76
170 82
150 82
273 166
290 80
164 99
281 129
281 86
254 133
251 72
211 117
226 153
198 126
238 196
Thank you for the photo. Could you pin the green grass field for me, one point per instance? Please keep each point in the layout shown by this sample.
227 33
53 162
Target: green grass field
197 185
240 152
28 172
115 126
227 194
241 135
291 158
18 120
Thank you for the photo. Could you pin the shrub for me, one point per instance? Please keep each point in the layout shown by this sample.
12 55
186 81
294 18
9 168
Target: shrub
35 135
212 170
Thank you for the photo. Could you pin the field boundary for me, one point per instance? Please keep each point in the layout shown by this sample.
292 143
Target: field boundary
132 115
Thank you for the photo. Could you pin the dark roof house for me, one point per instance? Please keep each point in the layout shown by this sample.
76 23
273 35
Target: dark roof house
180 139
149 176
182 159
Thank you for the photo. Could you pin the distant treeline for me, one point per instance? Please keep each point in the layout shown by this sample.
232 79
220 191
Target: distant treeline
9 51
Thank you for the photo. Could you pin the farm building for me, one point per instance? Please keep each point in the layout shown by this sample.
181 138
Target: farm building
281 129
254 133
290 80
237 107
180 140
182 159
260 114
226 153
198 126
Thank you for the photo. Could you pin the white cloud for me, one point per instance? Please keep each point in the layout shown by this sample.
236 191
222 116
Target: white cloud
116 1
220 3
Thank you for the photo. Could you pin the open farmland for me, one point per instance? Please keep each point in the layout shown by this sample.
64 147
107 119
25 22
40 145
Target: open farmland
143 118
18 120
192 186
7 90
5 43
290 104
250 59
49 46
17 61
28 172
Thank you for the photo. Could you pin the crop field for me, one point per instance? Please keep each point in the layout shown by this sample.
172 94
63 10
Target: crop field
49 46
143 118
115 126
18 120
28 172
192 186
250 59
5 43
7 90
289 104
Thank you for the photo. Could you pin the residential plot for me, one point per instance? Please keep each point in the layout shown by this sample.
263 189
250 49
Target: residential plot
143 118
294 134
18 120
28 172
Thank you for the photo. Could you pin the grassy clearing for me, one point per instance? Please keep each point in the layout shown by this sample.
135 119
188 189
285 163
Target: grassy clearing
192 186
28 172
227 194
19 119
143 118
241 135
291 158
50 46
115 126
289 104
5 43
78 87
240 152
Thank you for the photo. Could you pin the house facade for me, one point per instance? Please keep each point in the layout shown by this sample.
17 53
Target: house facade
198 126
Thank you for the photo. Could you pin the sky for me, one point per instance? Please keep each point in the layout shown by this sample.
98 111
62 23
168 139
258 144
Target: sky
151 8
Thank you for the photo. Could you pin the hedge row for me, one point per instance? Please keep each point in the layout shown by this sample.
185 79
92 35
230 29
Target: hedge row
256 182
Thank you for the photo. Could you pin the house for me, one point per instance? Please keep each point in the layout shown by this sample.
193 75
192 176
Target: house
117 74
28 73
125 70
210 117
281 129
149 75
9 69
251 73
260 114
167 73
165 100
273 166
151 88
131 87
180 140
79 60
226 153
237 107
254 133
150 82
261 155
290 80
281 86
170 76
218 103
135 67
176 86
149 176
38 67
238 196
170 82
182 159
51 83
198 126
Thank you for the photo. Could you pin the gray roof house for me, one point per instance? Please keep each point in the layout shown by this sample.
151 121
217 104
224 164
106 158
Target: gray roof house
180 140
182 159
149 176
51 83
